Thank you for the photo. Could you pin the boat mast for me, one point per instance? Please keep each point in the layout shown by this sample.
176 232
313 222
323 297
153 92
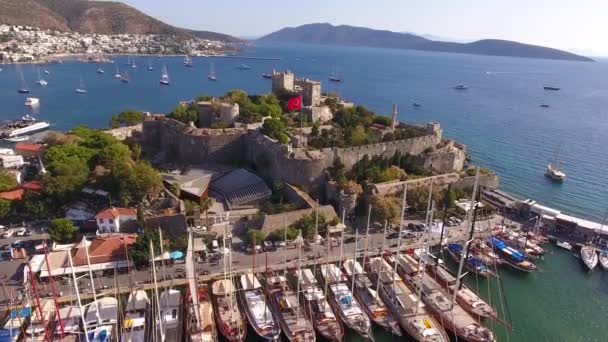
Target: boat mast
299 270
86 250
162 261
160 318
465 252
84 322
52 283
381 253
403 203
328 243
314 250
446 205
423 252
352 286
342 241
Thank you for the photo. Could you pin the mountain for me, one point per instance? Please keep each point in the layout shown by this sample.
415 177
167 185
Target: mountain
361 36
103 17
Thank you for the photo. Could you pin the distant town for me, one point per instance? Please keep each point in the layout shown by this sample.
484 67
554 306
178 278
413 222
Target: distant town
23 44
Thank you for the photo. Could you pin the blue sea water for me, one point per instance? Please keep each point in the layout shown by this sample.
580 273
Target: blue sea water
499 117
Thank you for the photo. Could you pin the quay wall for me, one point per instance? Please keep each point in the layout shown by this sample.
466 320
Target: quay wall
394 188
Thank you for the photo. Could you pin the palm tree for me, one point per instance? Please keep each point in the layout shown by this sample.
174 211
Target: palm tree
205 206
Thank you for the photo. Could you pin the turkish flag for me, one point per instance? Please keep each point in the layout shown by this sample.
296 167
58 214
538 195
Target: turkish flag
294 103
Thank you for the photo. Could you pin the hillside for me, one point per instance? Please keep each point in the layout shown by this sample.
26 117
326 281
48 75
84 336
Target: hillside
102 17
361 36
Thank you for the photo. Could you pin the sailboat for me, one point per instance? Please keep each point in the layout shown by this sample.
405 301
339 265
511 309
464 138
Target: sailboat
453 316
24 88
211 76
150 68
164 77
134 323
230 322
589 257
188 61
124 78
343 302
254 305
363 288
133 65
200 323
334 77
317 308
82 89
117 74
553 170
41 81
40 321
47 72
100 71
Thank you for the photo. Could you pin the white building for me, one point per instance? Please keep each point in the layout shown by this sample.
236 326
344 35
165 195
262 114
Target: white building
9 161
109 220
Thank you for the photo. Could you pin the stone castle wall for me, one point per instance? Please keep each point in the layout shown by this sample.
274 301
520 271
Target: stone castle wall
188 145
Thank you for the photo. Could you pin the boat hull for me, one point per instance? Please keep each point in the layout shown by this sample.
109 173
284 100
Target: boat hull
224 328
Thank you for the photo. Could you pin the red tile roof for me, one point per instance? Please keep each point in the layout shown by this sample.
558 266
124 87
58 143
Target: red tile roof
12 195
32 185
29 147
113 213
105 249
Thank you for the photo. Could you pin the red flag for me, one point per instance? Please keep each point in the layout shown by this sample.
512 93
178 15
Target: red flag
294 103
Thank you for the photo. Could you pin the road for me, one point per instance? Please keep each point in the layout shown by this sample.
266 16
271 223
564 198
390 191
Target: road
11 272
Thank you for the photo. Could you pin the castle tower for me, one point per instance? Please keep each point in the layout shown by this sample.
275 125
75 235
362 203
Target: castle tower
394 122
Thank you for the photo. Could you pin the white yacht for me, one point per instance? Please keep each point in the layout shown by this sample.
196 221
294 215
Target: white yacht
164 77
343 301
41 81
555 173
82 89
23 127
171 314
254 304
564 244
32 101
134 324
589 257
101 319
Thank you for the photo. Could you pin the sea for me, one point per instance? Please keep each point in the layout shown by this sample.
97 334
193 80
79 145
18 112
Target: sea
499 118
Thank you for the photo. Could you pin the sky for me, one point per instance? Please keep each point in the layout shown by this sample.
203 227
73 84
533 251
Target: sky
577 26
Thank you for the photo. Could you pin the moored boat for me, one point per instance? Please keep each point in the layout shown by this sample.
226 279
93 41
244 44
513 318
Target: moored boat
70 317
294 324
405 305
589 257
564 244
254 305
134 323
369 299
164 77
317 308
204 330
170 328
551 88
101 319
230 323
466 297
451 314
511 256
473 264
342 300
603 259
39 328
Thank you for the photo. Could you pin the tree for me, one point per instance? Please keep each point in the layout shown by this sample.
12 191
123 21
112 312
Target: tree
136 151
7 181
275 128
254 235
384 209
127 117
205 206
279 189
5 208
184 114
62 230
139 252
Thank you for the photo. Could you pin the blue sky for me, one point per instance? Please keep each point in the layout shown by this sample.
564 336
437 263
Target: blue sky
578 26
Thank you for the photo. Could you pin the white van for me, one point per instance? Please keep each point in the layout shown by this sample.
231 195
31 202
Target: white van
214 246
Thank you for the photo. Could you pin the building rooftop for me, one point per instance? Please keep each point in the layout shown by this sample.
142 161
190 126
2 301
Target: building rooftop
24 146
114 213
105 249
195 182
240 187
12 195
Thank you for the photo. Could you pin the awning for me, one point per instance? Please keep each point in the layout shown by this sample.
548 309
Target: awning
176 255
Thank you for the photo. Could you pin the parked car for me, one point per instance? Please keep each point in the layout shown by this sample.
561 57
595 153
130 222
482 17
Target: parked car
28 233
9 233
268 246
350 239
18 244
393 235
279 244
20 231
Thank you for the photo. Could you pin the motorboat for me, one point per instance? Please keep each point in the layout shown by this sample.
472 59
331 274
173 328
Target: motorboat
343 301
589 257
412 314
243 67
461 87
254 305
17 129
267 76
551 88
603 259
564 244
369 299
100 71
32 101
